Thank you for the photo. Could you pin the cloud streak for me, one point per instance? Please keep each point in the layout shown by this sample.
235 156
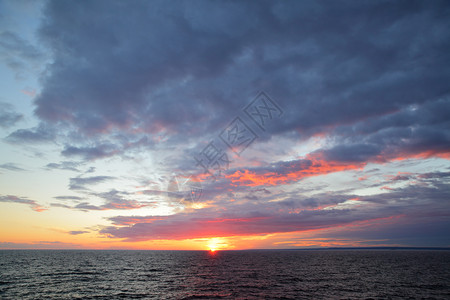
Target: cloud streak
22 200
11 167
81 183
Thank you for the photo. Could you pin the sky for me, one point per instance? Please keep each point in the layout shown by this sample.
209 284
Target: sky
197 125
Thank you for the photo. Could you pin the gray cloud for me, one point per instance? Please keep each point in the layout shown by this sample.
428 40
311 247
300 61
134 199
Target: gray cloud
60 205
39 134
72 198
79 183
90 153
412 130
22 200
64 165
328 64
11 167
401 178
8 117
434 175
113 200
77 232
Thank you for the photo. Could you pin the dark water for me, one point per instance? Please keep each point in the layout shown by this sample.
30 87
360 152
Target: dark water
335 274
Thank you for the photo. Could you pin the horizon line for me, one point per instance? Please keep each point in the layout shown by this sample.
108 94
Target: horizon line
255 249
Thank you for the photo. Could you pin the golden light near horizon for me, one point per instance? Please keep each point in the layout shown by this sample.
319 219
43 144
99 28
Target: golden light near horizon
215 244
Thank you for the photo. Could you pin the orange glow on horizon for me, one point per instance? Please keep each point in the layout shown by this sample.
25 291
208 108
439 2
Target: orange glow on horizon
215 244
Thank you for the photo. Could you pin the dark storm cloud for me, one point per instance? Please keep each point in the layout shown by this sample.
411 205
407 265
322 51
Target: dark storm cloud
8 117
136 63
188 67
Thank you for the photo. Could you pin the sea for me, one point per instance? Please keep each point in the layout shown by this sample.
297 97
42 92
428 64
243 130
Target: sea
250 274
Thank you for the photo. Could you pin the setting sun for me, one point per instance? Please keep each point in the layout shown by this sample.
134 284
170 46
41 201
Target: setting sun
215 244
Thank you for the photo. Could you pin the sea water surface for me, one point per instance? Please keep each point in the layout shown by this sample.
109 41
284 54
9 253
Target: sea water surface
255 274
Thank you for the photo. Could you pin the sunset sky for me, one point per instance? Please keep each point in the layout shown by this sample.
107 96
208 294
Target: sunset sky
321 123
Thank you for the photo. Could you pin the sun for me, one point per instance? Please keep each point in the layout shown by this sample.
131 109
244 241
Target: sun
215 244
